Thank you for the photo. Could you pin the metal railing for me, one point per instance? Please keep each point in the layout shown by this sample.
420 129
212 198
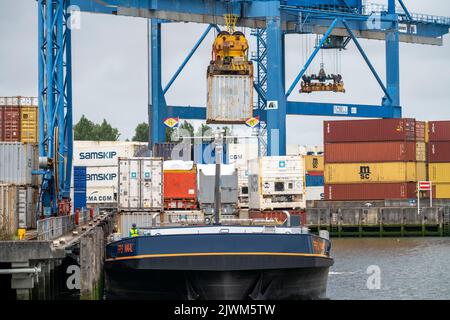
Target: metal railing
371 8
54 227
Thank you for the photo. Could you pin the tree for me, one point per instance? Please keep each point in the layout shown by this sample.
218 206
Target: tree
105 132
141 132
84 129
88 130
204 130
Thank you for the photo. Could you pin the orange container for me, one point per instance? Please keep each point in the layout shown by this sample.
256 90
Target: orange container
180 189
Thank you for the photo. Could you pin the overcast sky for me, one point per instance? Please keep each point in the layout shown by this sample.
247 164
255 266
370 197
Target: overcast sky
110 68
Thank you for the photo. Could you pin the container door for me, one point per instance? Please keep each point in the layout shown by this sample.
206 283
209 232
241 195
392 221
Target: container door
151 184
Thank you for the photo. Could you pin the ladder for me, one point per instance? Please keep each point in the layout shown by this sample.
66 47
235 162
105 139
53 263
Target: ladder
446 221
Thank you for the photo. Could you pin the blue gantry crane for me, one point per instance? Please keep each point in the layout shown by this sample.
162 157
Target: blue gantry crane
270 21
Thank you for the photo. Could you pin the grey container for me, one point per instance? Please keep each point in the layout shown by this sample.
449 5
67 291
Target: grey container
206 187
17 161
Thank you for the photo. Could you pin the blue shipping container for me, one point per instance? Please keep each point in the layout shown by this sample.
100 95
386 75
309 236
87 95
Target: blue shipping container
79 187
205 153
314 181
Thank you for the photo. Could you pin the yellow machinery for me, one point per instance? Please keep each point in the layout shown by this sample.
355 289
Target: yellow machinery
230 52
322 82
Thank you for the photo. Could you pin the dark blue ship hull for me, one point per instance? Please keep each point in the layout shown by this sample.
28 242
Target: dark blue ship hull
218 267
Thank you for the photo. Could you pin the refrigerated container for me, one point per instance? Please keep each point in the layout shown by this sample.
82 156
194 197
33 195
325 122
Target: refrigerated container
230 98
102 176
140 185
439 172
240 153
17 161
103 153
180 185
388 151
384 172
374 130
276 183
370 191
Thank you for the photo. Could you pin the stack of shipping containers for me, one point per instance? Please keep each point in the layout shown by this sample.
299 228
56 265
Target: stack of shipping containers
18 157
101 161
314 179
374 159
439 158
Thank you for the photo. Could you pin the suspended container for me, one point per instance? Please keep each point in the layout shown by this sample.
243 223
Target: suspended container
230 98
276 183
140 186
386 172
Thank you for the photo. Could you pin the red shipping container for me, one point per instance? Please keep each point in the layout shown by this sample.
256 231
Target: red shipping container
180 189
371 152
2 126
439 131
439 151
11 124
374 191
372 130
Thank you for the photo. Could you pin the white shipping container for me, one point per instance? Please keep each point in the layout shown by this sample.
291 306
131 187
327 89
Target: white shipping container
12 101
17 161
140 184
2 101
239 154
102 176
315 193
106 196
25 101
103 153
230 98
8 211
276 182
